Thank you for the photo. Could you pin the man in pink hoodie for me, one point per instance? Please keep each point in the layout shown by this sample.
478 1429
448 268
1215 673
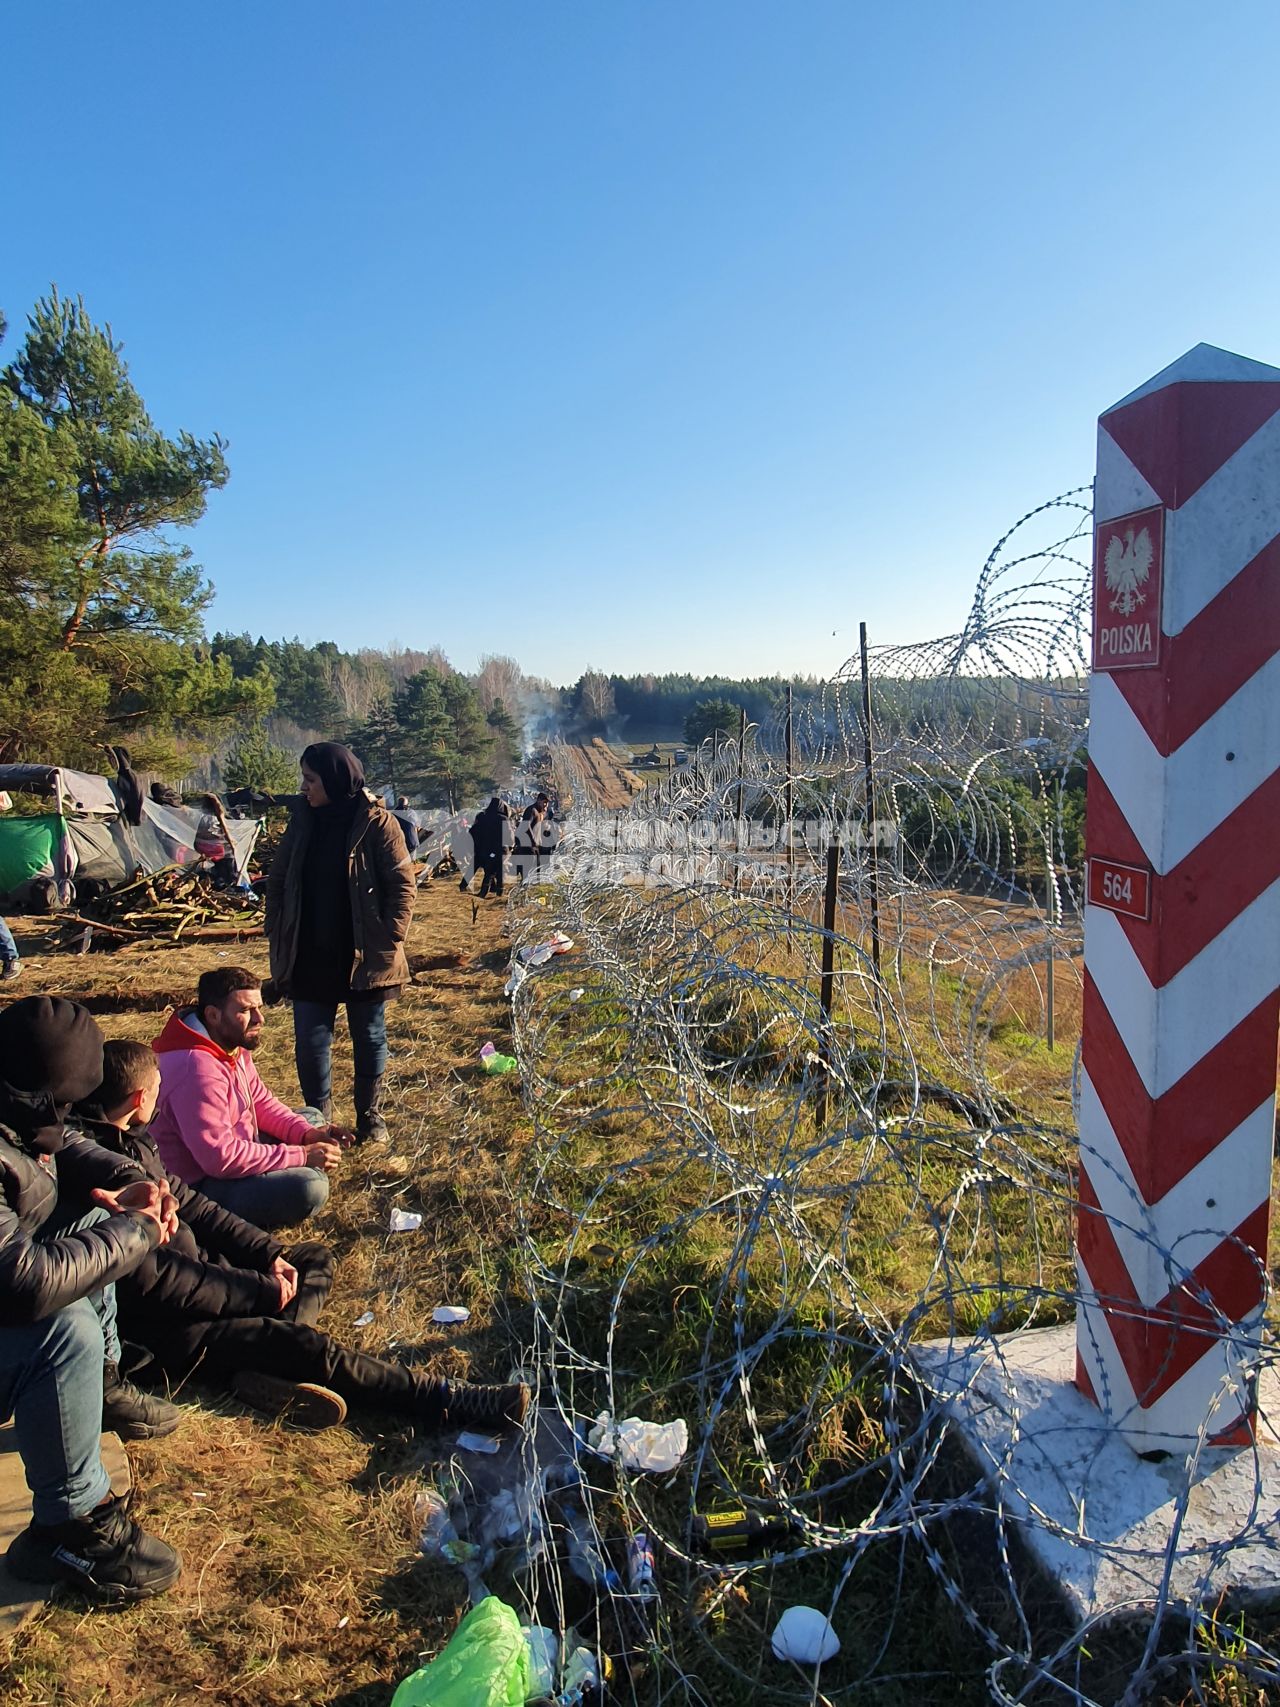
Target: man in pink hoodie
219 1128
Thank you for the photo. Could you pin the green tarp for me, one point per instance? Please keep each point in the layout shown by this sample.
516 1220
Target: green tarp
26 848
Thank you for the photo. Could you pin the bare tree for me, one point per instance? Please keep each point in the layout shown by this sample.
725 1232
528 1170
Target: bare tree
595 696
354 690
500 678
396 663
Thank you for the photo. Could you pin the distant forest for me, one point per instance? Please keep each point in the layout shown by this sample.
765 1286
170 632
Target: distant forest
440 734
103 643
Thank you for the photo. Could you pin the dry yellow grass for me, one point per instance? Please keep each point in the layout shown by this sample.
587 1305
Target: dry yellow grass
302 1581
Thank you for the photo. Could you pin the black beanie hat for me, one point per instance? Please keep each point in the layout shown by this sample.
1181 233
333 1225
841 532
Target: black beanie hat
50 1047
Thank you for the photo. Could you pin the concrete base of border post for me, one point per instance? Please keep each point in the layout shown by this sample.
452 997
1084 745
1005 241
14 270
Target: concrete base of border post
1098 1521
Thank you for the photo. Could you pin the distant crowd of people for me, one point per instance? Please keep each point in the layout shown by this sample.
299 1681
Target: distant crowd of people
498 833
142 1188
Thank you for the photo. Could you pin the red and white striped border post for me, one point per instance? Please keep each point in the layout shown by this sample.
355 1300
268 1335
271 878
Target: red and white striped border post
1182 919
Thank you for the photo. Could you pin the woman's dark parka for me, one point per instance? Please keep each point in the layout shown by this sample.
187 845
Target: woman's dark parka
381 887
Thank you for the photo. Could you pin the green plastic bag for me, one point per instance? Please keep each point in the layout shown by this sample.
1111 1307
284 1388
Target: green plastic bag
486 1664
500 1063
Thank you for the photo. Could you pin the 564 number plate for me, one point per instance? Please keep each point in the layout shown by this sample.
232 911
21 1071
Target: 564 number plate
1120 888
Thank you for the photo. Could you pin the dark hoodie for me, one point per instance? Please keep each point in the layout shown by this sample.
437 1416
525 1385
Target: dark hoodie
214 1265
51 1055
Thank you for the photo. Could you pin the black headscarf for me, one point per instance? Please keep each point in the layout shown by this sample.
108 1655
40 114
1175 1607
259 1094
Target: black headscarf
50 1057
326 936
338 769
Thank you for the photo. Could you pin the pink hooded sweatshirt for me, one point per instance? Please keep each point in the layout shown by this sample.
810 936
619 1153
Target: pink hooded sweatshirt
212 1108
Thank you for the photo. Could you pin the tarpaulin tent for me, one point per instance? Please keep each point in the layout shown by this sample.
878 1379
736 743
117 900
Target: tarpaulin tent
90 837
28 848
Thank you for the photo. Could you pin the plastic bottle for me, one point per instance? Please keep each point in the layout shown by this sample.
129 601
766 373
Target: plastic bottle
440 1540
544 1651
581 1677
642 1568
437 1526
586 1559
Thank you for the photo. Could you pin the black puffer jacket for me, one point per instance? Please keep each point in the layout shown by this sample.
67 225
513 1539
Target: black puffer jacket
213 1266
40 1276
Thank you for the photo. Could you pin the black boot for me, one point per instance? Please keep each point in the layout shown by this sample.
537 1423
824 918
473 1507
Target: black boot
103 1554
304 1404
132 1414
368 1098
464 1404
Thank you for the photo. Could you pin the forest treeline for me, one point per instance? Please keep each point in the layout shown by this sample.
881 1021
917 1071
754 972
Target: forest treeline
103 640
102 615
440 734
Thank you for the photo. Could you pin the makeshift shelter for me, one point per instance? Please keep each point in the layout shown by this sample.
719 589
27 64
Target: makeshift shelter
85 834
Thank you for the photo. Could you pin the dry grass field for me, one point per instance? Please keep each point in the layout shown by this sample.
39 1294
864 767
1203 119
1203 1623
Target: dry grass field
302 1581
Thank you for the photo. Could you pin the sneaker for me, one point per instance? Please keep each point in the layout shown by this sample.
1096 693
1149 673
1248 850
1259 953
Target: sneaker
131 1413
12 969
302 1404
104 1554
467 1405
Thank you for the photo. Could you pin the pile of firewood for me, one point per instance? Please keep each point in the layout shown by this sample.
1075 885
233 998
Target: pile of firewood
177 904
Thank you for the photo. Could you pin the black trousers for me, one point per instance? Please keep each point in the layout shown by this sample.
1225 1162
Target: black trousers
291 1346
492 867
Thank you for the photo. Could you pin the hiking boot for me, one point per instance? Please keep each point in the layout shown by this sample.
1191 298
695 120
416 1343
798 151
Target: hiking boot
464 1404
104 1554
368 1099
131 1413
302 1404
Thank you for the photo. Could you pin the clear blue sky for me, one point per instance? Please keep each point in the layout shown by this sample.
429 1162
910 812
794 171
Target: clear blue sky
646 335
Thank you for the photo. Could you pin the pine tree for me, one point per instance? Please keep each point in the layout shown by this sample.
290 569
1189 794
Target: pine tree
102 613
255 761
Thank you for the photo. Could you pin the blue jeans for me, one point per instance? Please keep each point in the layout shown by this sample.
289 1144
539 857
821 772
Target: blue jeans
280 1199
313 1024
51 1385
8 947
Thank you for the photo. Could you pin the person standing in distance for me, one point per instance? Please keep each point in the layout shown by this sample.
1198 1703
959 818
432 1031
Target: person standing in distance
339 900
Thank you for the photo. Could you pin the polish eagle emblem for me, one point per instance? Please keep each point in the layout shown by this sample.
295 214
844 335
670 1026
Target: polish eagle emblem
1127 566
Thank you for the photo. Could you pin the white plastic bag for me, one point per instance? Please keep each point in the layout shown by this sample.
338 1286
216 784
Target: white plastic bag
640 1445
804 1635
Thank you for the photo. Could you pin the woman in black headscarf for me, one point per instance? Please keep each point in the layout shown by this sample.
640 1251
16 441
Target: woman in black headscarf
339 900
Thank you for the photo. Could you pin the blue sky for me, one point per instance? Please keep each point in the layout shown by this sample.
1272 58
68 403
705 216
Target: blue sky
661 336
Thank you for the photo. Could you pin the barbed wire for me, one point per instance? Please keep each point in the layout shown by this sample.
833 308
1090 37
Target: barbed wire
808 1227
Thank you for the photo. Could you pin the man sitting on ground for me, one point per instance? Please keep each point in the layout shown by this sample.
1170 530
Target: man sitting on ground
226 1296
217 1125
73 1219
